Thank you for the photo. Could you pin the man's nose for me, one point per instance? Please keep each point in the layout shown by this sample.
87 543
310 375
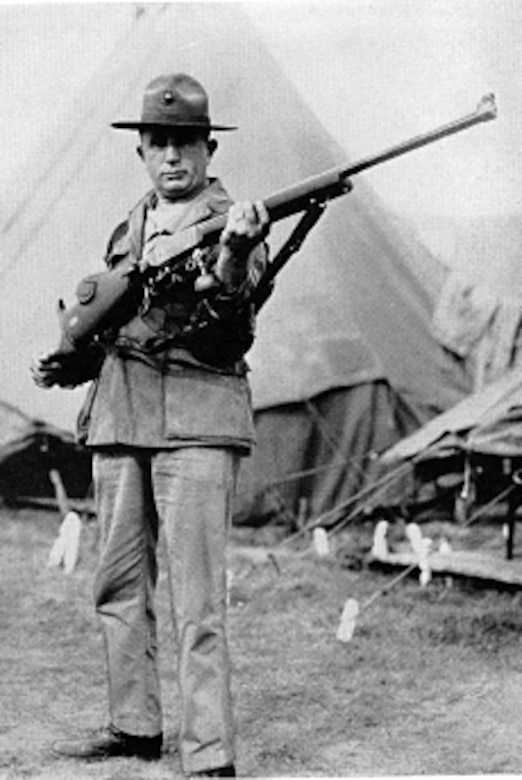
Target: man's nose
172 151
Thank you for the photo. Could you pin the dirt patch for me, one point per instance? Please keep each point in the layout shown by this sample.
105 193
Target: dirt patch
431 682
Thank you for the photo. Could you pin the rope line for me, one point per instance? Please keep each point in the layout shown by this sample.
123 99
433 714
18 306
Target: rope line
494 501
381 483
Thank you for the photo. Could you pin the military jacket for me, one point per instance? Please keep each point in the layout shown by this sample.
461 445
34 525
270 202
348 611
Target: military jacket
154 388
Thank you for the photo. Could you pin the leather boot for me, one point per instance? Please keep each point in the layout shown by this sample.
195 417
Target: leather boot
108 743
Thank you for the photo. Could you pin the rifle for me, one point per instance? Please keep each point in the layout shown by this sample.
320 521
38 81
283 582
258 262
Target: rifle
111 298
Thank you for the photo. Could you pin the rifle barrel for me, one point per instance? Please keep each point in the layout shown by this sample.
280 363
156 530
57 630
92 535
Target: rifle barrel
333 183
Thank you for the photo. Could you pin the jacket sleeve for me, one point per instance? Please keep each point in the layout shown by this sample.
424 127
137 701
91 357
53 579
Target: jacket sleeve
222 327
118 245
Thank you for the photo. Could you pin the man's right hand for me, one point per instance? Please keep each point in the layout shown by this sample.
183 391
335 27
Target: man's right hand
68 369
45 370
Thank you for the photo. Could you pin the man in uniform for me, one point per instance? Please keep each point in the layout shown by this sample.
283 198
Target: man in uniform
168 417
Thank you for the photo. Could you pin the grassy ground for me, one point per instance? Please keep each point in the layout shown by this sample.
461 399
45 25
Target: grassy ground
431 682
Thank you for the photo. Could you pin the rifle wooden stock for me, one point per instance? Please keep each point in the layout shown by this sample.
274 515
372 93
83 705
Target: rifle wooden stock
118 289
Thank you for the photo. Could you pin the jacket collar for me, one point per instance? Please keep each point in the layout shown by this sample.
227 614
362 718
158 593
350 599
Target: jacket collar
212 201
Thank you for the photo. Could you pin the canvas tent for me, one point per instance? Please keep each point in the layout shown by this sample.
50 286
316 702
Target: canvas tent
30 449
469 456
344 361
487 422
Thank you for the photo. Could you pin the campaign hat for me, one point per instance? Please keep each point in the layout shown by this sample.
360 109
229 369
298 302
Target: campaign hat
174 101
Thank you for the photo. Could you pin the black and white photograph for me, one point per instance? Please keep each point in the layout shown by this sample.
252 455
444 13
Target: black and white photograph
260 389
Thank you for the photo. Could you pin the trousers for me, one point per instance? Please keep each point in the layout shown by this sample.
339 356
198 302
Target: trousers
188 492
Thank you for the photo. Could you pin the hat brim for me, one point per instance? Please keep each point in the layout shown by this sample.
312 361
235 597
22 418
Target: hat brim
170 125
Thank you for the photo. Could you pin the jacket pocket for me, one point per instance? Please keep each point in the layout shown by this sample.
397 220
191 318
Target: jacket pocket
203 406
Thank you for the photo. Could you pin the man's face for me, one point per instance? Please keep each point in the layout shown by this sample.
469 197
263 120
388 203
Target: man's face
176 161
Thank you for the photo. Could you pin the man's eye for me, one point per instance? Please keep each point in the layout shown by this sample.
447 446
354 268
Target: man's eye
181 140
158 141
